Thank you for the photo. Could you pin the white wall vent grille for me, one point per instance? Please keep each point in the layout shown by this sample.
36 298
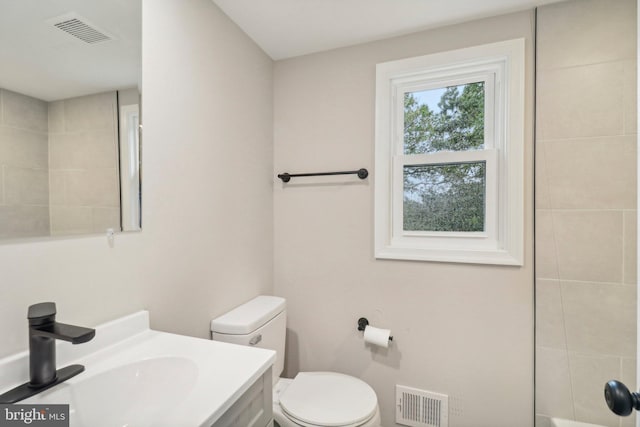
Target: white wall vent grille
80 28
421 408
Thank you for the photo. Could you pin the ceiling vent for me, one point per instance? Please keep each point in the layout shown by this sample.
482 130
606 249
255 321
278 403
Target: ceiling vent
78 27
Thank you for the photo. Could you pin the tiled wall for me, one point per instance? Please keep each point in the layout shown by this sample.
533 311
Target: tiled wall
83 164
24 182
585 208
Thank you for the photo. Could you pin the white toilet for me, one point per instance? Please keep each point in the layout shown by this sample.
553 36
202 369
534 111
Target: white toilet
311 399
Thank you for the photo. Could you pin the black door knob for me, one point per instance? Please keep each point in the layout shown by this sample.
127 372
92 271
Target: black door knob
619 399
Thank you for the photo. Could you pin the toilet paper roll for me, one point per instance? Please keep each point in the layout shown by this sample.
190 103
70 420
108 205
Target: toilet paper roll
377 336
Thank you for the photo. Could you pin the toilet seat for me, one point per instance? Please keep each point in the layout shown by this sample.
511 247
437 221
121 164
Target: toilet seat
328 399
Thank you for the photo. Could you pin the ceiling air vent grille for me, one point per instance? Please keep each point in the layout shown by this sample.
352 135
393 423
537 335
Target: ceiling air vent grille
80 29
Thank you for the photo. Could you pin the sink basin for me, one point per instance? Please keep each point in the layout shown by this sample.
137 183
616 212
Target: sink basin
137 393
135 376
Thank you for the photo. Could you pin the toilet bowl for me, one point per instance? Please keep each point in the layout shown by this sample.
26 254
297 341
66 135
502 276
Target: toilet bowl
311 399
348 409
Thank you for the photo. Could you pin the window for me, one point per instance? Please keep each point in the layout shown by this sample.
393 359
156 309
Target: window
449 156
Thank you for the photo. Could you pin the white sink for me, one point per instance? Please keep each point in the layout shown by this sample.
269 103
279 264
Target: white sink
138 393
135 376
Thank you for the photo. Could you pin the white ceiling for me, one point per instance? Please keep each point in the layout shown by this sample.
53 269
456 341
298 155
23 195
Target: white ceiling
287 28
39 60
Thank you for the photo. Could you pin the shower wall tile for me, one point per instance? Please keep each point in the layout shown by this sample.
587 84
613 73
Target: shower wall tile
542 421
26 186
592 173
103 218
588 376
83 150
70 220
585 32
630 237
586 181
92 112
2 202
56 188
56 117
589 245
542 186
628 377
550 330
83 158
553 385
600 318
24 182
630 104
97 187
546 254
24 112
581 101
23 221
23 148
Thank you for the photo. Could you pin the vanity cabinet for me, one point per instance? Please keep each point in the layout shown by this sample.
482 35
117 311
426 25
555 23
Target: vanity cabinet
254 408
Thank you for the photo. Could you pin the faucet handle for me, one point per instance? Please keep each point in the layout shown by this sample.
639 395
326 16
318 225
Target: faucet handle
43 312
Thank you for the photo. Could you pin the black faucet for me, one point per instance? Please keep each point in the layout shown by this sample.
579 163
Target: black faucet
43 331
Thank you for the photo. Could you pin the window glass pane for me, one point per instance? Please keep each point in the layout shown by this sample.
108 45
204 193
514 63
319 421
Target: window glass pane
444 119
444 197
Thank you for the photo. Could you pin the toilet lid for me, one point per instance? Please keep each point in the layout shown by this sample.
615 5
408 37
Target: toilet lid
329 399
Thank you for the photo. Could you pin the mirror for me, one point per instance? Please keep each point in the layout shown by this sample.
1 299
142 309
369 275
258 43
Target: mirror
70 73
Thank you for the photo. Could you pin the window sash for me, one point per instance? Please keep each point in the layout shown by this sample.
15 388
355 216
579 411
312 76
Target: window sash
416 239
489 78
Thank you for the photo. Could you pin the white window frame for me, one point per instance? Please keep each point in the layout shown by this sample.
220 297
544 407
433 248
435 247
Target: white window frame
501 67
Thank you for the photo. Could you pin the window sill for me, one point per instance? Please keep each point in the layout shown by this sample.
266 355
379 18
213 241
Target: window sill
491 257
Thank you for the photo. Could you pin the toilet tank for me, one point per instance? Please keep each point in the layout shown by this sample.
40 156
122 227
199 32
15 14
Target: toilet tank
261 322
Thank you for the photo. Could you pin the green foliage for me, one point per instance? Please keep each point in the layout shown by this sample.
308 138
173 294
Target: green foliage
447 197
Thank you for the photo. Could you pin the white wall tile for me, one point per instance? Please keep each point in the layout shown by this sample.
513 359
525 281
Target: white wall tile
630 94
589 245
97 187
553 384
550 330
23 221
630 238
103 218
83 150
628 377
24 112
91 112
600 318
581 101
56 117
71 220
585 32
589 374
23 148
26 186
592 173
546 252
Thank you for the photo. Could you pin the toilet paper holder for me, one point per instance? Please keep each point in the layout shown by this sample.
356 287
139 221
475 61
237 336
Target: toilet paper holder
363 323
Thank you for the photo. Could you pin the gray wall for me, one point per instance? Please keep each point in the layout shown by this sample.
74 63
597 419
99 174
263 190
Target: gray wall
585 208
462 330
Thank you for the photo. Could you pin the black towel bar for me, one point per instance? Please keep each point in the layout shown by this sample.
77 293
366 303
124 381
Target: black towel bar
286 177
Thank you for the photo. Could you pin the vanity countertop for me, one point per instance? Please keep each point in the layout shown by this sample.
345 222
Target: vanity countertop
140 376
